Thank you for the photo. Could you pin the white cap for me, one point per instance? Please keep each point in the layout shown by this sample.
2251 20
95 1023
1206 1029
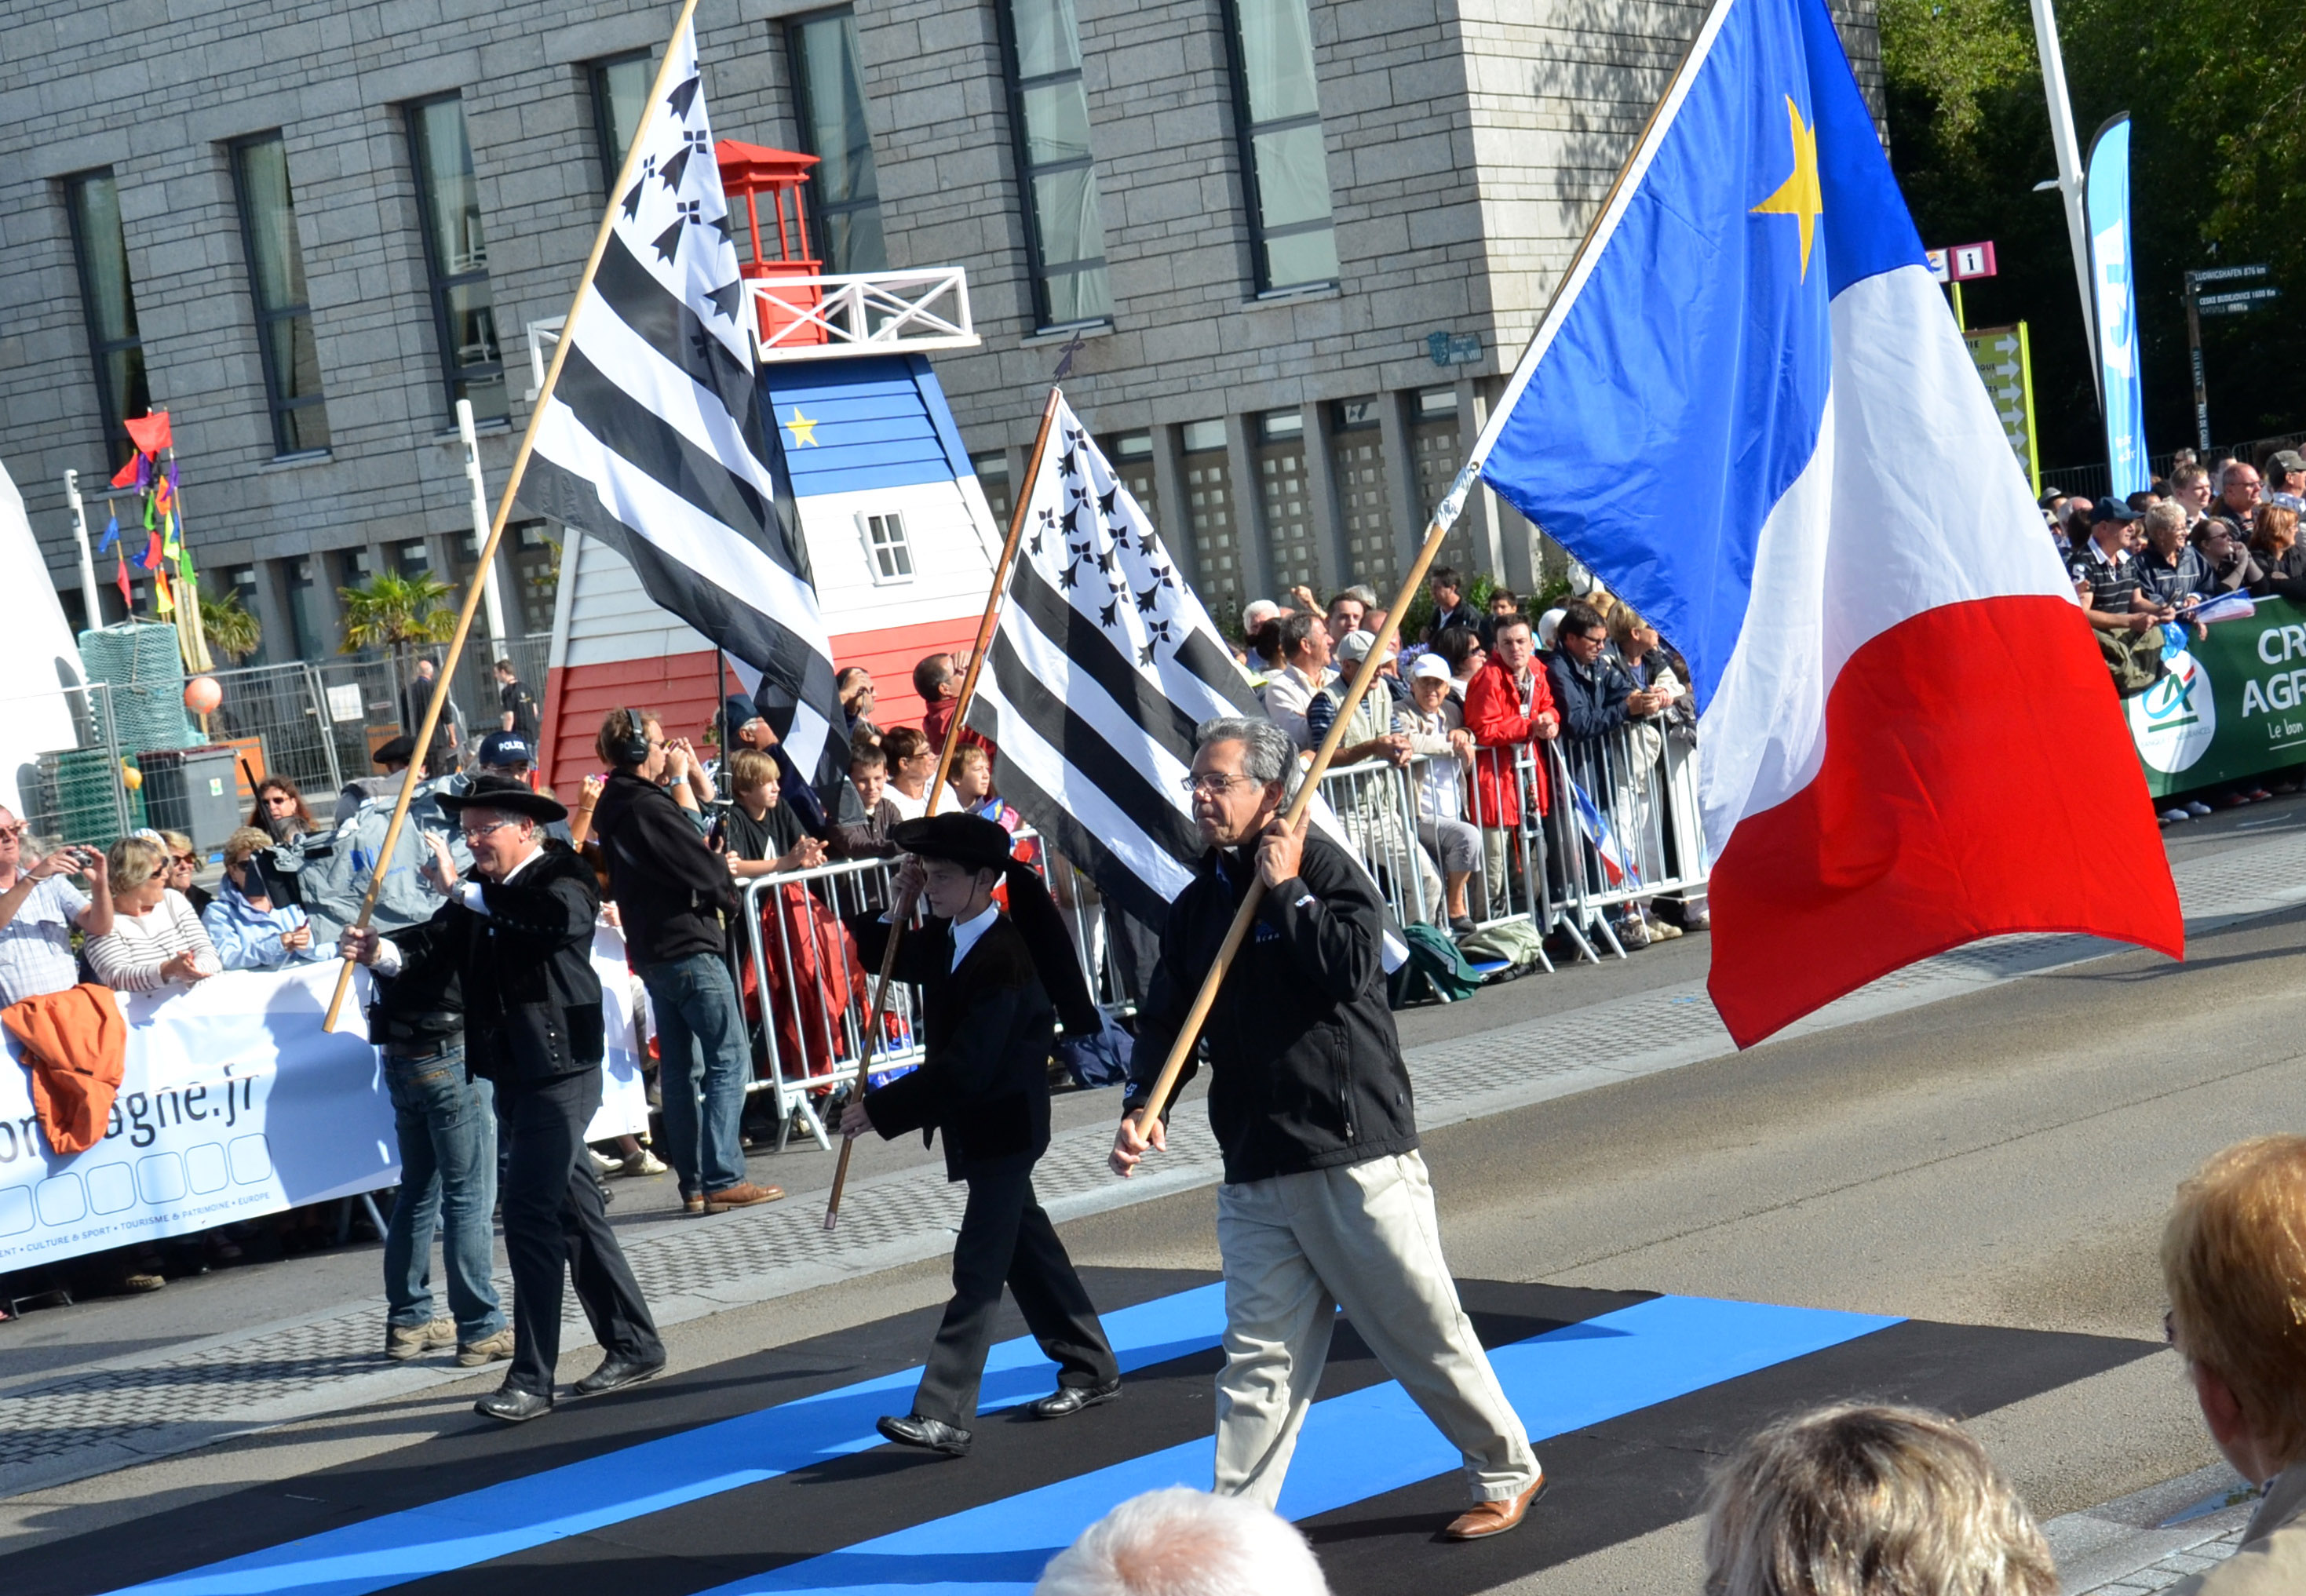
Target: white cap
1433 666
1356 645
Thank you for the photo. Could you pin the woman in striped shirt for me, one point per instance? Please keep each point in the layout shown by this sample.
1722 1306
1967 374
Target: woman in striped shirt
156 939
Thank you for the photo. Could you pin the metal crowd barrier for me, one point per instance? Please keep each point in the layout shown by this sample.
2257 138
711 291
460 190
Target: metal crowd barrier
1642 781
809 993
1376 806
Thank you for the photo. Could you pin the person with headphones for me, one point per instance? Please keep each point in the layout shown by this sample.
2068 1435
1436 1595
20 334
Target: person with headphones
671 891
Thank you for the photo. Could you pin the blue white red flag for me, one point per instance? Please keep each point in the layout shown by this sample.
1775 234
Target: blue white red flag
1615 865
1749 411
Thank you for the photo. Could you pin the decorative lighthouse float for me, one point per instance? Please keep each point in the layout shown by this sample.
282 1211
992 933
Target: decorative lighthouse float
874 489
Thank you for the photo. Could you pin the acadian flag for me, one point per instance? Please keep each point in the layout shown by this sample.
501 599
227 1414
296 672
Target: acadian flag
1748 410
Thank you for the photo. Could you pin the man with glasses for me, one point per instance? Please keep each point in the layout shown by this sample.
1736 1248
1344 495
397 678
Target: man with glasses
38 907
2239 492
670 889
520 939
1326 1201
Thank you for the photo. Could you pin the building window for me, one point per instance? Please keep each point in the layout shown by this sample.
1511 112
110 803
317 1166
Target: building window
303 608
1209 518
243 580
534 555
1131 457
1277 110
1435 445
886 548
845 190
1282 494
1048 111
275 283
457 253
993 476
108 299
621 86
1357 471
412 560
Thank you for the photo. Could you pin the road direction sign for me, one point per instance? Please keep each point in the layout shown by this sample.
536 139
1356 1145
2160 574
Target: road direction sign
2225 274
2236 304
2003 357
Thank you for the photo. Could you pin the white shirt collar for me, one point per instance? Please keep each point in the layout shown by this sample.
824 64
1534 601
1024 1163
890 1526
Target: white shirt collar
524 864
965 933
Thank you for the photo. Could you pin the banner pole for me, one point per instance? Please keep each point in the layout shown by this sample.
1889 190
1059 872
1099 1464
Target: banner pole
984 626
487 553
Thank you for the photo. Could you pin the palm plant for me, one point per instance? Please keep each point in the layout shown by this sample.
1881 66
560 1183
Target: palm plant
231 630
389 610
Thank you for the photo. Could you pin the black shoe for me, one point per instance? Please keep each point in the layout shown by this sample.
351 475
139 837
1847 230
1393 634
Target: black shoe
617 1371
1069 1400
513 1405
934 1434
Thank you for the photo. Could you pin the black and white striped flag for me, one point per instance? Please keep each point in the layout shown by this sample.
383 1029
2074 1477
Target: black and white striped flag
1102 664
652 438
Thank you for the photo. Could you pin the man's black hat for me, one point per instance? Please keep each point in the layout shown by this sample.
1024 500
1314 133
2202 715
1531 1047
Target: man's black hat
400 750
977 844
505 793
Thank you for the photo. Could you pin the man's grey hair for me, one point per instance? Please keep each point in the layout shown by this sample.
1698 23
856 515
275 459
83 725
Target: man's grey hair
1850 1501
1186 1542
2169 515
1266 754
1362 595
1257 613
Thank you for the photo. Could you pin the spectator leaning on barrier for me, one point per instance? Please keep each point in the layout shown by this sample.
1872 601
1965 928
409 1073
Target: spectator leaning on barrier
2172 570
912 766
1186 1542
868 838
279 809
184 864
156 939
1870 1501
1460 648
1305 651
2234 1263
248 931
1508 707
758 834
670 891
38 907
1447 585
2233 568
1372 717
1435 726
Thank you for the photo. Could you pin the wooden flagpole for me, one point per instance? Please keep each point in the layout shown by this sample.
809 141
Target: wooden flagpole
504 507
1445 516
945 765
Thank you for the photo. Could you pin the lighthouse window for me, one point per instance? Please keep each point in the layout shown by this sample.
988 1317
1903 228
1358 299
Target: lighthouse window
621 87
885 548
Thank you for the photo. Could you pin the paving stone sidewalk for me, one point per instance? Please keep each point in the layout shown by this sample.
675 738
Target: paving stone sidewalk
112 1414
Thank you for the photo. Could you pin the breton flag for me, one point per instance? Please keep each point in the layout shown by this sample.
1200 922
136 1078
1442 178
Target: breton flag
1102 663
652 438
1748 410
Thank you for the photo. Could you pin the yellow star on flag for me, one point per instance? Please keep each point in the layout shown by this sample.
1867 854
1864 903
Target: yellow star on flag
1797 196
804 430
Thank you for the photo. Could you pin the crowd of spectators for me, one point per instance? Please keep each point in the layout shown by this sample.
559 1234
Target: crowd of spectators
1471 706
2150 568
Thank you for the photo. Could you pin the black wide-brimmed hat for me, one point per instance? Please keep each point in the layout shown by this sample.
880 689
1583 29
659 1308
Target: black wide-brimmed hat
400 750
977 844
505 793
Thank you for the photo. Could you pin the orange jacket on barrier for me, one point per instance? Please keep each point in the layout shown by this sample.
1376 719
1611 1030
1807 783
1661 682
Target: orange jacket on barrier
75 1043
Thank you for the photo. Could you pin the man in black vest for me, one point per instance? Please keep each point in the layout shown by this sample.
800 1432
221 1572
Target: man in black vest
995 986
521 939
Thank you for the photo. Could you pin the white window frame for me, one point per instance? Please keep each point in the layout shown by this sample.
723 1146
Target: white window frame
872 530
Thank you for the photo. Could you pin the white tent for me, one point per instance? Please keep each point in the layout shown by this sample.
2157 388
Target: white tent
39 659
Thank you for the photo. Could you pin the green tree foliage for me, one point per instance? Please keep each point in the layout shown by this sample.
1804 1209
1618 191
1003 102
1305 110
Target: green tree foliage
231 630
2218 170
389 610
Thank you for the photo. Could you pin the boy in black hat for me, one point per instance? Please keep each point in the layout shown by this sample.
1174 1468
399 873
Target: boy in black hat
995 985
520 938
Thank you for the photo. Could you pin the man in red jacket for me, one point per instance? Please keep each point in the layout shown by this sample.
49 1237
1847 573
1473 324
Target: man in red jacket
1508 706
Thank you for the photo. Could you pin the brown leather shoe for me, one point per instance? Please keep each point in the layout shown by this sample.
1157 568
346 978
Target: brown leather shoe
1485 1519
744 1194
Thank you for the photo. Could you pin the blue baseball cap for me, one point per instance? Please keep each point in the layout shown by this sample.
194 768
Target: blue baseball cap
504 749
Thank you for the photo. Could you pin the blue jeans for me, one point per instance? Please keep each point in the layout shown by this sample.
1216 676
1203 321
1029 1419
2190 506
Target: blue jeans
447 1128
701 1044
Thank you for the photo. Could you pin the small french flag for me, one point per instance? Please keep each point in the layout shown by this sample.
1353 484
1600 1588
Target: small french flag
1615 865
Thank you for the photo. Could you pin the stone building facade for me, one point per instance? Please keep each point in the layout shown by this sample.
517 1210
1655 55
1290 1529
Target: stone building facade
1290 399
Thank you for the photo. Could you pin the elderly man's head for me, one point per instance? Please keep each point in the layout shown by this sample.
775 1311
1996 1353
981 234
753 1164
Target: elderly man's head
2239 488
500 839
1256 613
11 838
2234 1263
933 677
1869 1501
1240 778
2165 528
1304 641
1184 1540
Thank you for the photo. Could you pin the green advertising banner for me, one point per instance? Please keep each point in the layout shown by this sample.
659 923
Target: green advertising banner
2234 705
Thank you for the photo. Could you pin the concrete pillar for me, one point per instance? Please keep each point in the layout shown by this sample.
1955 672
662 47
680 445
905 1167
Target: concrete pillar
1480 514
1321 495
1257 579
1175 523
1400 478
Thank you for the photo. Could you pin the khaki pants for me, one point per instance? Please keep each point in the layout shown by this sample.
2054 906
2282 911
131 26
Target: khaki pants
1365 1237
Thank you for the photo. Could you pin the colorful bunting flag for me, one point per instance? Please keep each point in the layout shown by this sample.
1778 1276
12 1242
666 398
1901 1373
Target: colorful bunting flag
111 533
162 599
127 593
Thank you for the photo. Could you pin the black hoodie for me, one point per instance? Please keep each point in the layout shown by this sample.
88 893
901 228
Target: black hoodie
669 888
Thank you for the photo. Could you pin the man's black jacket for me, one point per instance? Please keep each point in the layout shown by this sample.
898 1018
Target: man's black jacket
1306 1068
988 1028
532 998
1591 698
670 888
420 1010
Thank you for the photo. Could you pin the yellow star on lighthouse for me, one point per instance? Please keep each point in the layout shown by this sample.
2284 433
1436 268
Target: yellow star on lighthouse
1797 196
804 430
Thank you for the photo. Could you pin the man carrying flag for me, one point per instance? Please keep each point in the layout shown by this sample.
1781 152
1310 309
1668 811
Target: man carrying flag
1748 411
